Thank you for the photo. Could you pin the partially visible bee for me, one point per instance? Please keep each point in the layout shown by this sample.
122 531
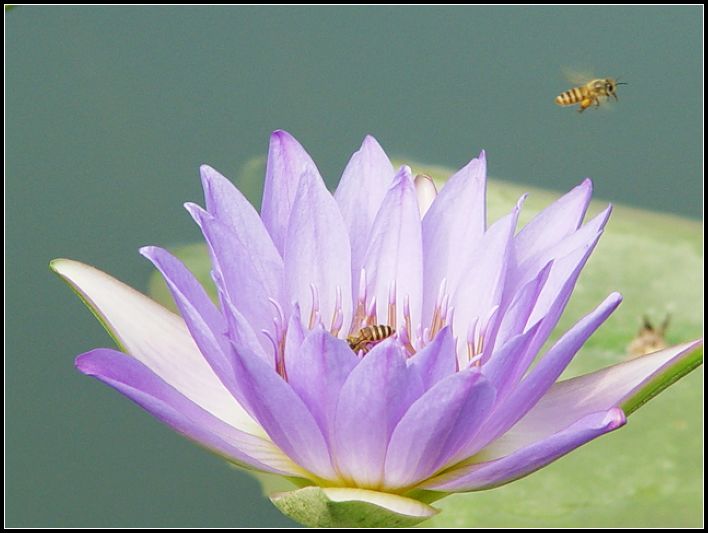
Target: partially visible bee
590 93
366 338
649 339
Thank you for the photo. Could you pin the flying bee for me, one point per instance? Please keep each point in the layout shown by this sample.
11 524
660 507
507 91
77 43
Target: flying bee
649 338
366 338
590 93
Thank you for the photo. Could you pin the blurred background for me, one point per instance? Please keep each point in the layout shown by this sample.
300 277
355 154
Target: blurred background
110 111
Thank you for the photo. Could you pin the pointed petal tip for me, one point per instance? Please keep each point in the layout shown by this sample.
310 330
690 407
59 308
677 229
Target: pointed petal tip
586 184
405 170
282 141
205 169
55 265
81 363
69 269
370 140
615 419
196 211
209 174
281 136
404 177
615 298
62 266
148 251
86 363
601 219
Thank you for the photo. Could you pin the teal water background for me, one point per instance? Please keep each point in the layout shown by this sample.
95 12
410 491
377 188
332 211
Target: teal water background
110 110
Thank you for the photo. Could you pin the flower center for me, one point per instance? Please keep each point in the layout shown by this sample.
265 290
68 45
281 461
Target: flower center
368 329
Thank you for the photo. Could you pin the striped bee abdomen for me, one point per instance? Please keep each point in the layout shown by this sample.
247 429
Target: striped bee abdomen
573 96
366 338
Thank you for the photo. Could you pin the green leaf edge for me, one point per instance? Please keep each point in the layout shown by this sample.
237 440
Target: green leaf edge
670 375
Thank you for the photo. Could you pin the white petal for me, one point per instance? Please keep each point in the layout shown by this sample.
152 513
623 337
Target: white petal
156 337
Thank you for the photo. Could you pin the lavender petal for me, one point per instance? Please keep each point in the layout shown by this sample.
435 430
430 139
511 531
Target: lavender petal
246 272
481 287
556 222
395 251
528 392
317 253
316 371
360 192
287 166
156 337
445 239
372 400
204 321
491 472
283 415
136 381
436 426
437 360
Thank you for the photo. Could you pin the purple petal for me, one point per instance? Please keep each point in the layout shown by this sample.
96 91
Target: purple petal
609 387
372 400
287 163
281 412
554 223
206 324
295 335
537 260
246 266
564 266
525 460
395 252
317 253
552 300
156 337
482 286
240 332
501 367
516 317
567 404
227 205
136 381
317 371
359 194
452 226
437 360
549 368
436 426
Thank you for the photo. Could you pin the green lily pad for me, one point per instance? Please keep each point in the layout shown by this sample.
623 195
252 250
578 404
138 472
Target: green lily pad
648 474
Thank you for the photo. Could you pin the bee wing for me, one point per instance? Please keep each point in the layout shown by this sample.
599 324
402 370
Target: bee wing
577 76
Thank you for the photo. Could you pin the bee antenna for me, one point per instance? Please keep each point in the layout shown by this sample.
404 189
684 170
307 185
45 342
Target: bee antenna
621 83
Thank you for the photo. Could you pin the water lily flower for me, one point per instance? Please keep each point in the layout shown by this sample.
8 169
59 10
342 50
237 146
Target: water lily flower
380 347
